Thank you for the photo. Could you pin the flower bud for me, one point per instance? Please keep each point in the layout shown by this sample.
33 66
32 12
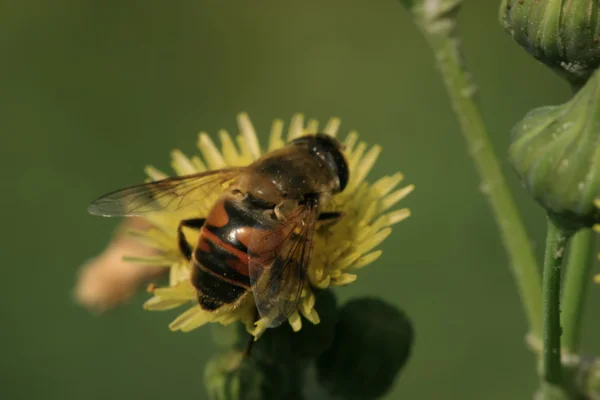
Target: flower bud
295 348
372 343
548 391
561 34
588 378
555 150
232 376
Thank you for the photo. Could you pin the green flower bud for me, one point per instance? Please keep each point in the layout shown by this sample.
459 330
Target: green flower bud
276 366
588 378
232 376
550 392
372 343
291 347
555 150
562 34
313 340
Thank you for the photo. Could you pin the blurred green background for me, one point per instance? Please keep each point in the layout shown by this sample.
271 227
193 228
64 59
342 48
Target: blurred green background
94 90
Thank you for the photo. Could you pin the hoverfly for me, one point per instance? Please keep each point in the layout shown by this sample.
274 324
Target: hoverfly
258 235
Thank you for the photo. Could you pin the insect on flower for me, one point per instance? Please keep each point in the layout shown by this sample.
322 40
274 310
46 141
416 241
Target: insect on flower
257 238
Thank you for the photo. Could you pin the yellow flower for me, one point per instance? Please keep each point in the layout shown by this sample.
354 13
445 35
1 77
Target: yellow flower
340 249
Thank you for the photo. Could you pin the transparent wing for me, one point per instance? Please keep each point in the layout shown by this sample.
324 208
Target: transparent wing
170 194
278 261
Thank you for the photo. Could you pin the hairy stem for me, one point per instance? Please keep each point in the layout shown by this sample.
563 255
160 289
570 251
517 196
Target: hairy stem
577 279
461 90
556 240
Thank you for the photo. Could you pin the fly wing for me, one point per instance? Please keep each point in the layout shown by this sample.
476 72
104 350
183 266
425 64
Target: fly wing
278 262
170 194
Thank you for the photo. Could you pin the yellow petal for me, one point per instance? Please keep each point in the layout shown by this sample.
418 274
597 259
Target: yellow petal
344 279
249 134
312 126
228 149
183 291
373 242
332 127
159 304
296 128
193 317
391 199
347 261
260 327
307 303
160 261
366 259
350 142
354 158
155 174
386 184
198 164
295 321
366 164
312 316
323 283
181 164
275 141
210 152
179 272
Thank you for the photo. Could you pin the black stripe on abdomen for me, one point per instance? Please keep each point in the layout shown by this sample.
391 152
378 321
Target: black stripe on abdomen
214 291
216 260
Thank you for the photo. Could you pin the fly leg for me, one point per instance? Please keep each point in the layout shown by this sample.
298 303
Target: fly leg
252 339
184 246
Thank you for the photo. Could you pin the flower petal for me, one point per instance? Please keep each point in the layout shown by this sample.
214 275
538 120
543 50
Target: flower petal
312 127
181 164
209 151
366 259
249 133
366 163
275 140
343 279
332 126
393 198
296 128
228 149
191 319
295 321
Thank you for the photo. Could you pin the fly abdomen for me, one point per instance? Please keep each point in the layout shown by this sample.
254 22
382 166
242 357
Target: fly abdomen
220 259
212 274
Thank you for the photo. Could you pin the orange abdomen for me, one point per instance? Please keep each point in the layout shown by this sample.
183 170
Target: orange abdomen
220 259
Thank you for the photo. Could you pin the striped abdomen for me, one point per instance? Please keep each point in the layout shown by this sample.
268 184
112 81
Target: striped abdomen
220 260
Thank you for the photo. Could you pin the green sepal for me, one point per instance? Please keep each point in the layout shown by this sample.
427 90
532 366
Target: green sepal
276 366
555 150
234 376
373 341
588 378
551 392
291 347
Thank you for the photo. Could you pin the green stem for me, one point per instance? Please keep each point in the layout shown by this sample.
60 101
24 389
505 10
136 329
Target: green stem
577 277
556 241
461 90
